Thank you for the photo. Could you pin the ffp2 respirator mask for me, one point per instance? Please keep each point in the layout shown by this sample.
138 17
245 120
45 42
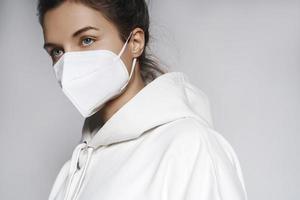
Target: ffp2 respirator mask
91 78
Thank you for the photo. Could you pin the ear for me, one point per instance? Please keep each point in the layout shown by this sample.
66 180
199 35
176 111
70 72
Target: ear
137 42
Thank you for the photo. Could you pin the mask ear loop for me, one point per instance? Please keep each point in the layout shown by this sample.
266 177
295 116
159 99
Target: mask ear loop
132 70
133 63
124 46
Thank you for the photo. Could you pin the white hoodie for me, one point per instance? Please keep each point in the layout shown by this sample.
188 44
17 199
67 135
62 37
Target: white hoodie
160 145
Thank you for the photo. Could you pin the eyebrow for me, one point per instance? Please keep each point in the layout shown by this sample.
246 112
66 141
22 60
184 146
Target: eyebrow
84 29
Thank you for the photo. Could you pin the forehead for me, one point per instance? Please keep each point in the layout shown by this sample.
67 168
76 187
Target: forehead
67 18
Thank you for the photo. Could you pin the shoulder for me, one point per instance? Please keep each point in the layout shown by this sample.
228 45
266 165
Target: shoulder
194 144
201 157
188 135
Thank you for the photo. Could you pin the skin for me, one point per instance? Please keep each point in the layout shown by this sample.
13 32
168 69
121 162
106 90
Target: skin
61 22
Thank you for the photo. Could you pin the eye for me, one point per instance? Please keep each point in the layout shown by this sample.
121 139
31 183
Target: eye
55 52
87 41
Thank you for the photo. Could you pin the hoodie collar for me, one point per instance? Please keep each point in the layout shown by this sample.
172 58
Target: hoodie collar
169 97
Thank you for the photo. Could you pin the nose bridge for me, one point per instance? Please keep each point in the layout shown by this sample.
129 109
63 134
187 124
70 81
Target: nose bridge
68 47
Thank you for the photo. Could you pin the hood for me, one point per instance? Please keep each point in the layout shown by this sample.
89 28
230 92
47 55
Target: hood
169 97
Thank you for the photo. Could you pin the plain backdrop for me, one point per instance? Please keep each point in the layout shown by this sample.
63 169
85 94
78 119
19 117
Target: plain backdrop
243 54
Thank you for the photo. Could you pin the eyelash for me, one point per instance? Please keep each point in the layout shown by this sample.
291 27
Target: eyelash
52 51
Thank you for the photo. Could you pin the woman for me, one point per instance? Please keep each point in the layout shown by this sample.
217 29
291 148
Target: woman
148 133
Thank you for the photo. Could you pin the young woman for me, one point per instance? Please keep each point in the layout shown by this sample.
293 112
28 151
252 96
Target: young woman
148 133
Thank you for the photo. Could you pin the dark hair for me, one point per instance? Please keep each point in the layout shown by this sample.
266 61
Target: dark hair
126 15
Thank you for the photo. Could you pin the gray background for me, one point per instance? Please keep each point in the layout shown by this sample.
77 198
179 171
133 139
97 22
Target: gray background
243 54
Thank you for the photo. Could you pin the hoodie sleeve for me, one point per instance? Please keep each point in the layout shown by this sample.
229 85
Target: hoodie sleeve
59 180
204 166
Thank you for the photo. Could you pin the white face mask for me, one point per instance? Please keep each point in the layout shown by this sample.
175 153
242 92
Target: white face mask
91 78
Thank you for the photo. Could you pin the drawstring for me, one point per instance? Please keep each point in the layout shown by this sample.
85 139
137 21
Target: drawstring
75 167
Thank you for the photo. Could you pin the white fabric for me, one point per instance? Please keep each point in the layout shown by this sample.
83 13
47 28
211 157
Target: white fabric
160 145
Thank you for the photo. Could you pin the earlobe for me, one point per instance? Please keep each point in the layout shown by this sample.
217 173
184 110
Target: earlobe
137 48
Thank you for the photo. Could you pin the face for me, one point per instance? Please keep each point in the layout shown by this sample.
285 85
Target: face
77 27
